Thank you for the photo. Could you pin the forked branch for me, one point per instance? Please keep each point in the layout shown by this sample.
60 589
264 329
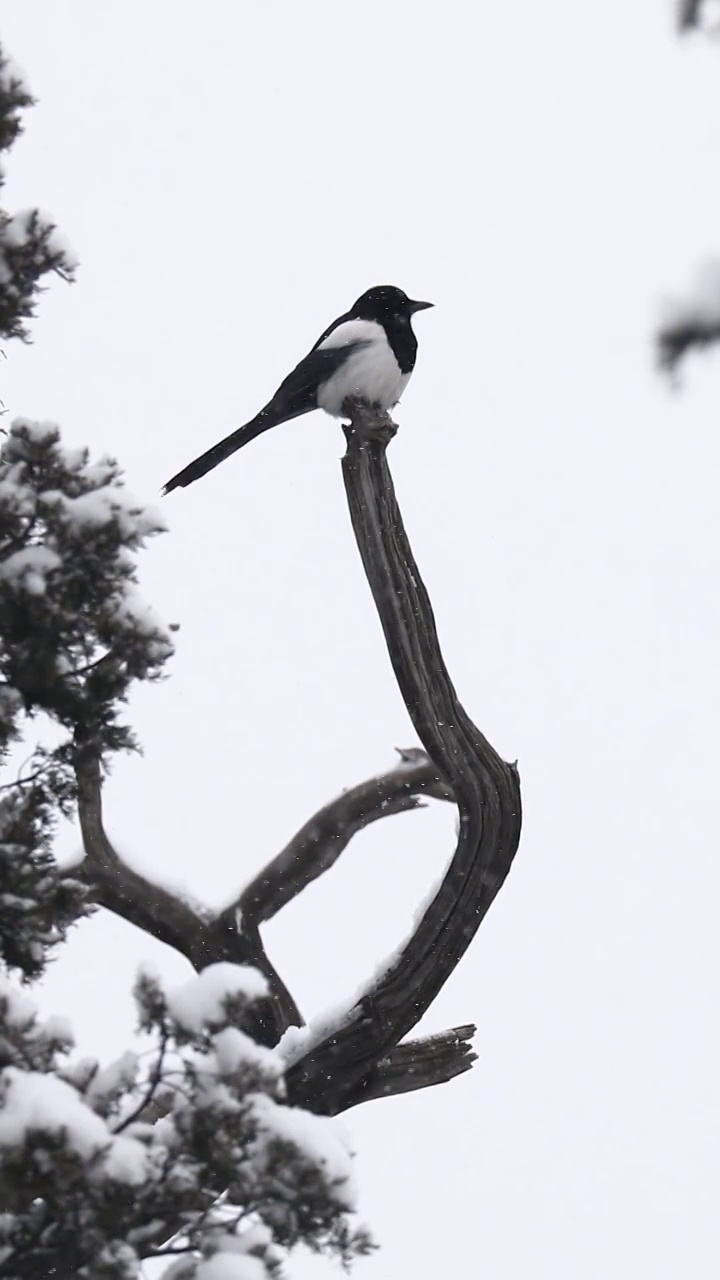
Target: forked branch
165 916
205 938
363 1058
486 790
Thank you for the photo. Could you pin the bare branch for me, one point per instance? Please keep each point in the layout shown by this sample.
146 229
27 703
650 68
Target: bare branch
418 1064
153 1084
676 338
25 782
164 916
486 789
204 939
318 845
119 888
689 14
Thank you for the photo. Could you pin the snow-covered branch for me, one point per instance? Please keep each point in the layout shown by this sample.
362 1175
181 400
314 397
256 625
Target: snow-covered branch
30 246
203 939
117 886
90 1188
75 636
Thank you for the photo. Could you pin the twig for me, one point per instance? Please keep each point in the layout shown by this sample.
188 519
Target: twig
149 1094
25 782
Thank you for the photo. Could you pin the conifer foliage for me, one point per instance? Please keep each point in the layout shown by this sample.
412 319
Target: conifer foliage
184 1149
30 246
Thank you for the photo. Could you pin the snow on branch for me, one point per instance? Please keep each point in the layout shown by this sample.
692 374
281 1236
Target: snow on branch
91 1186
38 902
690 321
30 244
74 632
75 635
233 934
201 937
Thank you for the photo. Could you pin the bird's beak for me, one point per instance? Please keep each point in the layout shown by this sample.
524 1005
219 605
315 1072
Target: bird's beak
420 306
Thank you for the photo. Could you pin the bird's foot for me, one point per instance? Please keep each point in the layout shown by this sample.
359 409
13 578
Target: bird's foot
368 422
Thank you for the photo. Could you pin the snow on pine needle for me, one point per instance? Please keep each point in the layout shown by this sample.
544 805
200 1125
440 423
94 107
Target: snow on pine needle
188 1152
74 630
30 244
75 635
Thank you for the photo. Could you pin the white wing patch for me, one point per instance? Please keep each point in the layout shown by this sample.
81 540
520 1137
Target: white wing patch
354 331
370 372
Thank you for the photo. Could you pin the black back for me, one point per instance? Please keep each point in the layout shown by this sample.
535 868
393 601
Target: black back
391 308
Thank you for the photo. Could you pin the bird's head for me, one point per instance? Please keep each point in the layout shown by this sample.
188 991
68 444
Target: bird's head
385 302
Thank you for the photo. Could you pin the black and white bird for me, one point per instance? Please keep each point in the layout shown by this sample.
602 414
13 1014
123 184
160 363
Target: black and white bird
368 353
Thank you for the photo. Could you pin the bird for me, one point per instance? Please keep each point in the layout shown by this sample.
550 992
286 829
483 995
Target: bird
368 353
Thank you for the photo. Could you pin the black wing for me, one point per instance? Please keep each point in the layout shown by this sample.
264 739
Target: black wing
298 392
296 395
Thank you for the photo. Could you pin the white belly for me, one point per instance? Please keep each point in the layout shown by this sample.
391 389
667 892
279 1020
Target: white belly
371 372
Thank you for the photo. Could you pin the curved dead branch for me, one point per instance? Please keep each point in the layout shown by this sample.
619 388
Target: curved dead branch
486 789
205 939
167 917
318 845
115 885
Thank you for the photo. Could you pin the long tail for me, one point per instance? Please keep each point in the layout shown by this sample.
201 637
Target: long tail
219 452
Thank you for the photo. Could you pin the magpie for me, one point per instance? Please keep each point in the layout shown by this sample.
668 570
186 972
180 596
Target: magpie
367 353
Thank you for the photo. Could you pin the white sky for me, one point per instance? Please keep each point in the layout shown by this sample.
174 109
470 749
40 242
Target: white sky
232 176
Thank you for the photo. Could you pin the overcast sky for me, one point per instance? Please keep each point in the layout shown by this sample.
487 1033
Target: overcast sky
231 176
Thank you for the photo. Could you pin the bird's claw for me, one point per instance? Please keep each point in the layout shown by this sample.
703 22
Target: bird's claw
368 422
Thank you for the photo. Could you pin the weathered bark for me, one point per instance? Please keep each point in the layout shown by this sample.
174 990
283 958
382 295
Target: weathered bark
233 934
486 789
318 845
163 915
417 1064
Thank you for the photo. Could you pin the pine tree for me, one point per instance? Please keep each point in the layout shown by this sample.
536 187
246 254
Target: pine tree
190 1151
